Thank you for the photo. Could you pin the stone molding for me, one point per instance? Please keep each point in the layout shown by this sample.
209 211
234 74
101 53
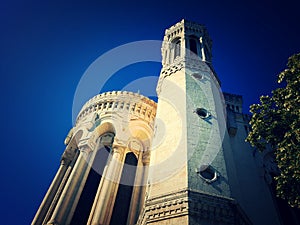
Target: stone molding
164 207
201 206
185 63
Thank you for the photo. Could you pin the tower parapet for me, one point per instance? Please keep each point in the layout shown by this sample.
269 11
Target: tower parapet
186 40
132 104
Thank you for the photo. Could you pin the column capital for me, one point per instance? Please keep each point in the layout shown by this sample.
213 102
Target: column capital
118 149
67 156
88 143
146 158
85 149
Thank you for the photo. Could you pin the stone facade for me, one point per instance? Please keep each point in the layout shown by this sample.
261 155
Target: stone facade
181 161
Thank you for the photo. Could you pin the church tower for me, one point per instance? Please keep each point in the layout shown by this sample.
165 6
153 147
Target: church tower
189 178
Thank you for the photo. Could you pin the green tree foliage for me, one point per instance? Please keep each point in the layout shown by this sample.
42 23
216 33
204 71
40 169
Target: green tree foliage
276 122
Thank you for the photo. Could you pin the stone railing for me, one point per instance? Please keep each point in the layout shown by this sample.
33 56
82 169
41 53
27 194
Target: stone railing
120 101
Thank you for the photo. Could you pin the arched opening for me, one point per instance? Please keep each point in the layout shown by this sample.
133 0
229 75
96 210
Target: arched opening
193 46
88 193
123 199
105 128
177 48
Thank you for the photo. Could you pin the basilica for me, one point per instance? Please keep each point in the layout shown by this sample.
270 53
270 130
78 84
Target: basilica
182 160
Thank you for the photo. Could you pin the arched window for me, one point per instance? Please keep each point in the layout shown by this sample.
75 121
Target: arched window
88 193
177 48
123 199
193 46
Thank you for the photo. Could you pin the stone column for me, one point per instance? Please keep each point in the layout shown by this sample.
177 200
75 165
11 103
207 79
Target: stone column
137 207
146 162
107 190
60 189
69 198
43 209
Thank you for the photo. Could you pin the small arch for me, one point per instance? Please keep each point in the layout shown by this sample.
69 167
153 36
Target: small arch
177 47
138 131
194 44
76 138
105 127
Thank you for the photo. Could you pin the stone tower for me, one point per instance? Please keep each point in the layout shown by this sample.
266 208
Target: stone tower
188 173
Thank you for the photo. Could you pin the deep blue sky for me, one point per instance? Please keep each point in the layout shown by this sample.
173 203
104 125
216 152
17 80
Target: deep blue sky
45 47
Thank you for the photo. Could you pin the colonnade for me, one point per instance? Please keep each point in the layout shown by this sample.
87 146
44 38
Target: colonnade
111 128
63 195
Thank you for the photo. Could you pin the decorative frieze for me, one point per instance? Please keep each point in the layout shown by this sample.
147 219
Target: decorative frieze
135 105
199 205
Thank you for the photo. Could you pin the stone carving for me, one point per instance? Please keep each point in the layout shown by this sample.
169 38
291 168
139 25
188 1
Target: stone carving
200 206
121 102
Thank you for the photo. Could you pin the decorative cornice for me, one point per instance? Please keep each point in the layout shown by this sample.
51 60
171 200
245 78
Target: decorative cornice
185 63
164 207
187 27
134 104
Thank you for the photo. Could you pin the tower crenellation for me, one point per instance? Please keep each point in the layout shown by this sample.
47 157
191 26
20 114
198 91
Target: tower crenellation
186 41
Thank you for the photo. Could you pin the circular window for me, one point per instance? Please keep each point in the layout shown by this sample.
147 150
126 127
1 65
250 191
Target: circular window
198 76
207 173
203 113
